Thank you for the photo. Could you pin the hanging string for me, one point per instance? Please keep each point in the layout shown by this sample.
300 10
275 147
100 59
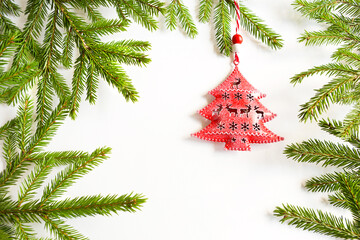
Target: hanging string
237 10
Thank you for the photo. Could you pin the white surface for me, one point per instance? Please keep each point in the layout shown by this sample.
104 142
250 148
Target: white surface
195 189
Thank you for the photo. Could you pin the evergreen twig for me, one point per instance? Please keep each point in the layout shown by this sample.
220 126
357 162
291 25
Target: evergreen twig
343 186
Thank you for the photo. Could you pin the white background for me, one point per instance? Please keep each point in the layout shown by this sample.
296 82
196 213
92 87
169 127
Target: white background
196 190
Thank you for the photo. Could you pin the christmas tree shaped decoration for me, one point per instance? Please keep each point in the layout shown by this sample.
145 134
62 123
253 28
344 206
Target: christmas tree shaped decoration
237 116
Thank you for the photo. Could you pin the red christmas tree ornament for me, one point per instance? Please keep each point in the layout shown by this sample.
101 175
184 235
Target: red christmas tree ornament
236 114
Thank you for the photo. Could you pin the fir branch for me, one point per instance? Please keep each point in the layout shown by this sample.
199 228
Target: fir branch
185 19
330 182
78 84
315 8
92 84
25 123
105 27
325 153
178 12
8 7
152 7
325 183
350 189
317 221
44 134
337 199
40 139
326 37
34 181
50 50
16 82
205 10
329 93
94 205
117 51
335 127
346 56
170 17
36 13
23 231
8 128
115 76
7 48
331 69
222 27
44 97
68 49
351 123
6 232
59 158
11 143
256 27
60 86
134 10
60 230
67 177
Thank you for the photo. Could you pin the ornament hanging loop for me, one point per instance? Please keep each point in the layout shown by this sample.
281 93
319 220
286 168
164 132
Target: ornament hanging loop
237 38
236 59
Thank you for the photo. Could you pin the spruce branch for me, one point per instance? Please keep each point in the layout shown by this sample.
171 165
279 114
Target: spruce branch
94 205
205 10
341 28
331 69
68 176
60 230
325 153
177 12
317 221
135 10
329 93
328 182
6 232
223 27
256 27
351 123
24 150
223 14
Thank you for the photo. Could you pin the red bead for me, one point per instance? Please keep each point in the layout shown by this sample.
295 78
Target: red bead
237 39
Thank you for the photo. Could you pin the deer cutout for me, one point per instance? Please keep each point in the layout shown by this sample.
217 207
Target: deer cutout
218 110
258 112
231 110
245 110
236 83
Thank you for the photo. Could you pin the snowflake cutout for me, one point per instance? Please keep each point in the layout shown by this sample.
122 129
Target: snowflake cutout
221 126
250 97
233 140
238 96
245 126
225 96
256 127
233 126
243 140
